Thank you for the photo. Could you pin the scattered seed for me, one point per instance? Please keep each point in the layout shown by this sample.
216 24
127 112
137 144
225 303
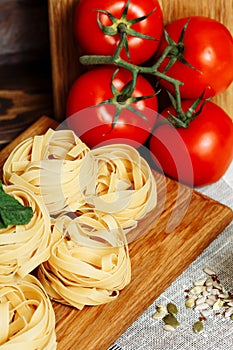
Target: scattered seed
209 282
208 271
217 285
161 312
218 305
171 320
200 282
159 315
210 302
223 296
215 291
162 308
198 327
206 313
190 303
200 300
202 306
229 312
168 328
212 297
172 309
197 290
208 297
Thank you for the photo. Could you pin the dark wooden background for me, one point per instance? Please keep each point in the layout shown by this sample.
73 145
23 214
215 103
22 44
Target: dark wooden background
25 65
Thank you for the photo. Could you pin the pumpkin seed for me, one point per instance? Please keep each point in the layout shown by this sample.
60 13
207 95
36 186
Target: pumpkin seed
198 327
189 303
172 309
171 320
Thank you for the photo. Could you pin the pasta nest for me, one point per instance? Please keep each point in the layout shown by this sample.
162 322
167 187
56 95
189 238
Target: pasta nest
24 247
89 262
49 166
116 180
27 316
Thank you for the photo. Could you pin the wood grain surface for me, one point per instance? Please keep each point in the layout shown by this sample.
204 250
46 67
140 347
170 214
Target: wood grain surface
183 224
65 52
25 95
25 66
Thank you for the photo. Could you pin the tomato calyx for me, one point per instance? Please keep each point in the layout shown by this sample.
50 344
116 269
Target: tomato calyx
123 100
176 52
123 25
183 119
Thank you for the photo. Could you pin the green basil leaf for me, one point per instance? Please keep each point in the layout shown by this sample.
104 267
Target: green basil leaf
12 212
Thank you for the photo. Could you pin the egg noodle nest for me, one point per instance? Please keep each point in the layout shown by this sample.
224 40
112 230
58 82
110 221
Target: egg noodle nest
85 202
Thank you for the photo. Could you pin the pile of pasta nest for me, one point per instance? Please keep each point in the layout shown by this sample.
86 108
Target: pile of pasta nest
85 202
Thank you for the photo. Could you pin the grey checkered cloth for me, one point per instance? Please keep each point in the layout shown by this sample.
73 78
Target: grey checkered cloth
146 333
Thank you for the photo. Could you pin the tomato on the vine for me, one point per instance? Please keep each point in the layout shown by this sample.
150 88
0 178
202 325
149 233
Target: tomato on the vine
94 41
95 125
207 142
207 46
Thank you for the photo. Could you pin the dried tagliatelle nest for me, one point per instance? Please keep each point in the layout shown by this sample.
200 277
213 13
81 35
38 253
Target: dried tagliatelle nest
27 317
89 262
24 247
116 180
48 165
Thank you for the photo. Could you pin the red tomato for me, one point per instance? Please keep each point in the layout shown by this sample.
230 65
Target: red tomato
208 46
94 42
94 125
199 154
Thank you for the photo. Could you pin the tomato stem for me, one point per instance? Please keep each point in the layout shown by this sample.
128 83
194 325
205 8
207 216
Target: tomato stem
135 70
122 27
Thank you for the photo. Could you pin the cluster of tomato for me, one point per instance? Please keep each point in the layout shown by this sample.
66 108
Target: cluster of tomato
190 137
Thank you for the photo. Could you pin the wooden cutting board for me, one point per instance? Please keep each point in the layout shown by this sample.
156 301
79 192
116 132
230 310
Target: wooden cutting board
158 258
